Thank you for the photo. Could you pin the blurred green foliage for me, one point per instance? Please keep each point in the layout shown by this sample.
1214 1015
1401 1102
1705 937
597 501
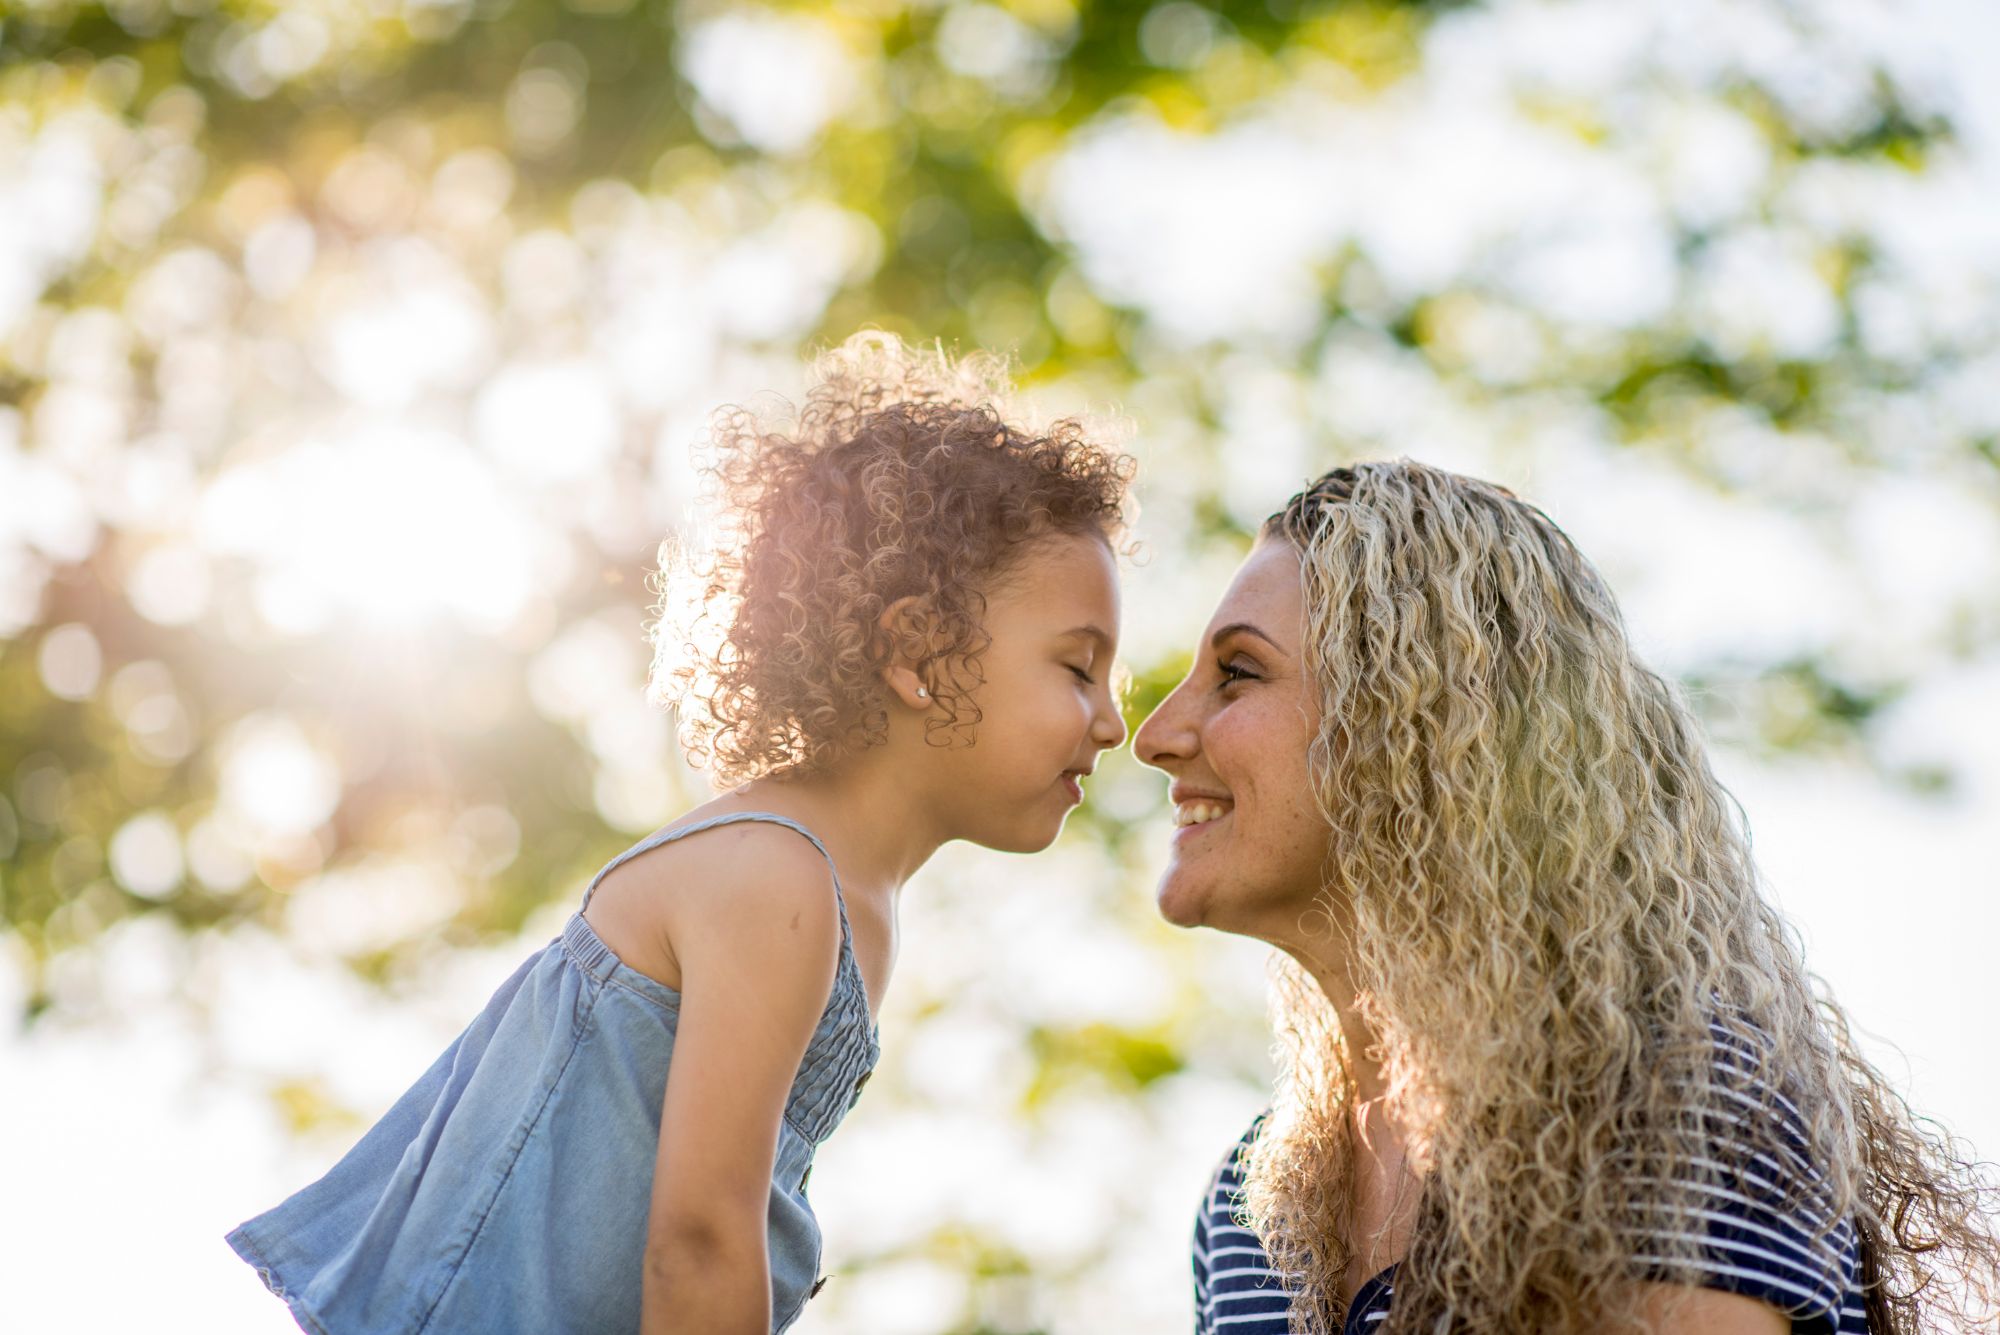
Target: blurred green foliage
273 101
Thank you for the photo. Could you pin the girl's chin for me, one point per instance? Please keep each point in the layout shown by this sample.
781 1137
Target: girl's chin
1033 837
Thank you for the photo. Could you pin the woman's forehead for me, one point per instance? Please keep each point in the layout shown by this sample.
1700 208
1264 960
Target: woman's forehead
1267 583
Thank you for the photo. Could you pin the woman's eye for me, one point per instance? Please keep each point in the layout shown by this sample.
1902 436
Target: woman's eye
1231 672
1082 675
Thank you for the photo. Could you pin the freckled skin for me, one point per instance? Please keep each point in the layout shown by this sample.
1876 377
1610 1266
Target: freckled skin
1255 872
1258 872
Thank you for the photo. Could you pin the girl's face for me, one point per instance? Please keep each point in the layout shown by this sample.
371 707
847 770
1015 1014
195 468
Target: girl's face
1046 708
1249 842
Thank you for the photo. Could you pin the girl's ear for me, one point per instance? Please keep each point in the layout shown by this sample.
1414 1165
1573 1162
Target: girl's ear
905 626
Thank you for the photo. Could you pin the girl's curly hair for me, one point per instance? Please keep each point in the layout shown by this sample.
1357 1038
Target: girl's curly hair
1551 900
901 474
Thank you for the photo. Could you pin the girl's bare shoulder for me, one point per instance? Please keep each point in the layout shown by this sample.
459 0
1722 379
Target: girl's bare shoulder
744 879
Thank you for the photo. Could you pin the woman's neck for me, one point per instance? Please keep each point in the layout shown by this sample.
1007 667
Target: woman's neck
1326 959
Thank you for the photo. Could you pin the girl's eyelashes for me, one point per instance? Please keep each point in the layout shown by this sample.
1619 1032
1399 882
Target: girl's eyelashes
1082 676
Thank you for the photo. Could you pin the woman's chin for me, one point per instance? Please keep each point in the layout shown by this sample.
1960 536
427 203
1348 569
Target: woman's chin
1180 901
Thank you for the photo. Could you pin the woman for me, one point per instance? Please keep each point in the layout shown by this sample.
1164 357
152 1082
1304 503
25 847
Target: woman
1551 1062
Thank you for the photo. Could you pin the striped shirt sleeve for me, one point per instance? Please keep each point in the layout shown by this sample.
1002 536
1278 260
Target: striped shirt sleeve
1756 1225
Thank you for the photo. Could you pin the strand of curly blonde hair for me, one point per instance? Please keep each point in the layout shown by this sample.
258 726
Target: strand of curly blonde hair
1549 898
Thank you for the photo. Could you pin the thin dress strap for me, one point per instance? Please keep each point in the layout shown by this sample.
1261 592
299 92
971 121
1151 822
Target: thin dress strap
668 835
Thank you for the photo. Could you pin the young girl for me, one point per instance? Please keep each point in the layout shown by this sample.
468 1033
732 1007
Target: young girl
917 607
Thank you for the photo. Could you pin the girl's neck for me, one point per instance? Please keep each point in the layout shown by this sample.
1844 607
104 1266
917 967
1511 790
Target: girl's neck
863 813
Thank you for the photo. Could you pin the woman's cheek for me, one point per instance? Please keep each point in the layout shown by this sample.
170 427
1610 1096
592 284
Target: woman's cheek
1230 740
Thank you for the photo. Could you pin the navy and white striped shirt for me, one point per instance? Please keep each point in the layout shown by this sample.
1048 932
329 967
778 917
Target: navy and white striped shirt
1752 1246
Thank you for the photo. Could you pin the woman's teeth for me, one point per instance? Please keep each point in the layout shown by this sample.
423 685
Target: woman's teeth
1194 813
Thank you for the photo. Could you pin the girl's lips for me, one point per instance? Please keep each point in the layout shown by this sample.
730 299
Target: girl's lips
1075 788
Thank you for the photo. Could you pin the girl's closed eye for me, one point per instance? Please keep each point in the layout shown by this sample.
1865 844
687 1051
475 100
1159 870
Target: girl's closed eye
1082 675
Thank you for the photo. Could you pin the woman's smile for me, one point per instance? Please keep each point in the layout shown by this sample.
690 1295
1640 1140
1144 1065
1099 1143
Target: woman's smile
1189 833
1190 809
1234 737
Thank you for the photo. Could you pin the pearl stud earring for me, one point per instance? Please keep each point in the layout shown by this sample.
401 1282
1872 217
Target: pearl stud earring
923 694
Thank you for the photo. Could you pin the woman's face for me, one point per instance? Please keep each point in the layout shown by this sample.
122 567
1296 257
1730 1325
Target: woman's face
1249 843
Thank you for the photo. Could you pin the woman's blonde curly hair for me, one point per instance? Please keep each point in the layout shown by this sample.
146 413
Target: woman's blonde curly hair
902 473
1549 904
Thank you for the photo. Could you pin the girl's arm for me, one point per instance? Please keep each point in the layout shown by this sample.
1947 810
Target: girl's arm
753 926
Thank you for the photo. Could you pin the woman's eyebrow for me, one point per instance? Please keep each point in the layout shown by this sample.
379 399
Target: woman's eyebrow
1215 640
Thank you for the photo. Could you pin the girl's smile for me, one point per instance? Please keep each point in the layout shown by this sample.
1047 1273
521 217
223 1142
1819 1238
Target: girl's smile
1045 698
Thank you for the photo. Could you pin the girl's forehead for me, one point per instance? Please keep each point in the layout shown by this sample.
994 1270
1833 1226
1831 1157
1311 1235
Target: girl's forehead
1073 580
1064 562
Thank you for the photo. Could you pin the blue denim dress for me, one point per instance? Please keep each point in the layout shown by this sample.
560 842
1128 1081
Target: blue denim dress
508 1189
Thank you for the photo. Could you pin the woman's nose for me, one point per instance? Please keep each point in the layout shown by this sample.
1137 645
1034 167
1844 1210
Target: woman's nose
1165 735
